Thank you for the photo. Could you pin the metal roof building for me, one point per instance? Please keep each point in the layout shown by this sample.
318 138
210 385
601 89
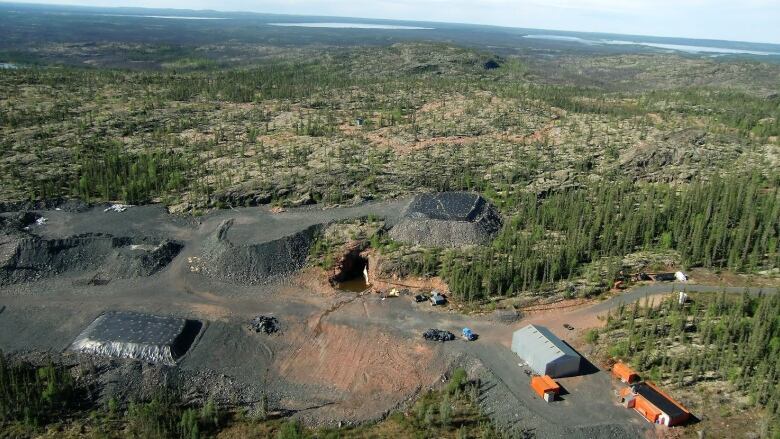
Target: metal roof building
545 353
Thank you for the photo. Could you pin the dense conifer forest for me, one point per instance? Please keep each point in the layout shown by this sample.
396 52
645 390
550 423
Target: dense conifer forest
698 346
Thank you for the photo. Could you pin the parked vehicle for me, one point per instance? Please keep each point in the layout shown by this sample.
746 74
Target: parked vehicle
420 298
437 299
568 326
469 335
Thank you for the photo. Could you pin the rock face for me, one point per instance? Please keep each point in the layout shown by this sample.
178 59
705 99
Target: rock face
447 219
351 263
678 156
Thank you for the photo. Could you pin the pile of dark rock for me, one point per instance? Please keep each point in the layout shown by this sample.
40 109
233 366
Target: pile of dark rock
265 324
26 257
447 219
438 335
232 256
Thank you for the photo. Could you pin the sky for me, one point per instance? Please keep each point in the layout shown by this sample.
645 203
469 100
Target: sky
738 20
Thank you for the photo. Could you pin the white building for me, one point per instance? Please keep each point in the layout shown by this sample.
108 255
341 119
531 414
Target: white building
545 353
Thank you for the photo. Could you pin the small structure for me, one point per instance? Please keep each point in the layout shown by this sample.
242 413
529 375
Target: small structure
680 276
624 373
545 387
545 353
437 298
656 406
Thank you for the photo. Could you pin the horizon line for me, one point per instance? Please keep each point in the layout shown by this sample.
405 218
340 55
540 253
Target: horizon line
234 11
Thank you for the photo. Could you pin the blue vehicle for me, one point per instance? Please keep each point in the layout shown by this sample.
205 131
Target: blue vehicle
469 335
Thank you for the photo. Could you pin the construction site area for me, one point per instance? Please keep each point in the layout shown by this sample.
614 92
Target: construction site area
133 297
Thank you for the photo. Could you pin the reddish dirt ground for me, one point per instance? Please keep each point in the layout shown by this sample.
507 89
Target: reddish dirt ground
372 369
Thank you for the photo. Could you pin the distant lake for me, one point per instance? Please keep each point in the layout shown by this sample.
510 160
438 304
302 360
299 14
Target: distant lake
695 49
675 47
350 26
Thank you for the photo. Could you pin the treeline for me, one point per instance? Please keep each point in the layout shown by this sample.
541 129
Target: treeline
748 114
34 400
31 397
113 174
108 172
735 339
726 223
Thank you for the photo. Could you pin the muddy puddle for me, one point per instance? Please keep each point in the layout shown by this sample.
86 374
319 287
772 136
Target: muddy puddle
357 285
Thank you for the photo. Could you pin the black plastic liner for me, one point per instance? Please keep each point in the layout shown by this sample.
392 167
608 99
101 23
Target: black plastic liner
151 338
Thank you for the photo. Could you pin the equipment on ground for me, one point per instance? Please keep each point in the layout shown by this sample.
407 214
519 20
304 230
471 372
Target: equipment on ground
437 299
265 324
438 335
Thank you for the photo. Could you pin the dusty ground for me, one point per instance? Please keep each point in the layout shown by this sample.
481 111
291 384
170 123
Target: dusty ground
340 357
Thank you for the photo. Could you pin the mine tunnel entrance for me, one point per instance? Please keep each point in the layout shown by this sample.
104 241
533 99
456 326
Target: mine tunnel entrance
353 273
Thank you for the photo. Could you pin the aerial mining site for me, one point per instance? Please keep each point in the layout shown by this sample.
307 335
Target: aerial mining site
229 225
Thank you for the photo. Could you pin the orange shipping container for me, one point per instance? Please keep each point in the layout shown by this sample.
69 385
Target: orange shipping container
624 373
545 387
655 405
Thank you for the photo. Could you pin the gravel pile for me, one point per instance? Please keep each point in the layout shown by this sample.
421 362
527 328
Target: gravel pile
438 335
249 264
447 219
25 258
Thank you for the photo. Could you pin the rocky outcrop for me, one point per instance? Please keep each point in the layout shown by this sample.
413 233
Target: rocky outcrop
677 156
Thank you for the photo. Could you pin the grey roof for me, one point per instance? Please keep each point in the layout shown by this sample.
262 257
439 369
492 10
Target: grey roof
540 348
658 400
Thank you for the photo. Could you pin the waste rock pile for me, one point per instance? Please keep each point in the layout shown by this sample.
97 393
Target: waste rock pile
266 324
25 257
151 338
438 335
447 219
255 263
